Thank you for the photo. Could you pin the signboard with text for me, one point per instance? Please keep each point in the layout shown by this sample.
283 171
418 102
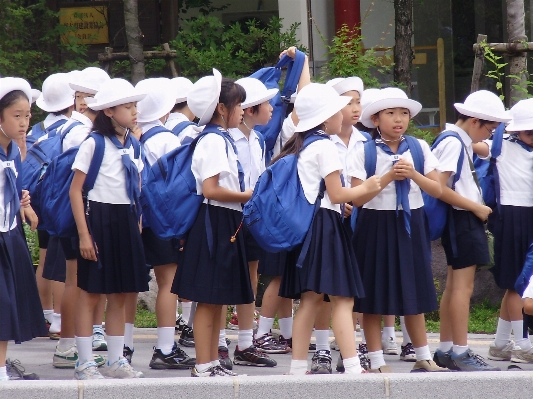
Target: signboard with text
89 25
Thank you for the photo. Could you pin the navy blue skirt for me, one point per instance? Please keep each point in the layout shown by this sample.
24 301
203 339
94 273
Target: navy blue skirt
21 314
221 277
44 237
395 267
273 264
157 251
121 266
55 267
329 267
252 249
513 233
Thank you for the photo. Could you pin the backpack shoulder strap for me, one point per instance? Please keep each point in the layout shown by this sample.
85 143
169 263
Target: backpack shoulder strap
180 127
371 157
96 162
366 135
152 132
294 72
136 147
68 129
460 161
497 140
416 153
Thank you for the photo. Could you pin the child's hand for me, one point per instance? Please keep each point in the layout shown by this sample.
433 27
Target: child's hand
30 217
25 200
482 212
347 210
136 132
291 52
394 176
248 193
404 169
87 248
372 185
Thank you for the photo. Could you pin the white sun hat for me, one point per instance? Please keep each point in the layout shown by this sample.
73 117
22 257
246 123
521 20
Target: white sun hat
181 87
56 93
115 92
90 80
343 85
203 97
9 84
256 92
368 97
315 104
35 94
159 100
484 104
390 97
522 116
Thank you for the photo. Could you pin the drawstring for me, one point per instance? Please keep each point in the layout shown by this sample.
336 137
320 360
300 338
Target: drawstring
234 236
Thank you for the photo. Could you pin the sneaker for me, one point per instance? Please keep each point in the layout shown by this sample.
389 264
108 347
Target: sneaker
127 353
288 341
267 344
223 358
229 373
389 346
340 364
54 336
48 323
15 371
501 354
334 346
362 349
233 324
120 369
87 371
364 360
228 342
187 337
180 324
176 359
321 362
408 353
469 361
69 358
427 366
382 369
520 355
210 372
99 342
252 357
444 359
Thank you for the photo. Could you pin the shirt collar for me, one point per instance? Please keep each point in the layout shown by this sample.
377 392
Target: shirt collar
177 116
81 118
148 125
464 135
238 135
51 119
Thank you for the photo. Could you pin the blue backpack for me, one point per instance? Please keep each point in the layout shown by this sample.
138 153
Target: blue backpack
437 211
270 77
527 271
180 127
169 199
38 130
278 215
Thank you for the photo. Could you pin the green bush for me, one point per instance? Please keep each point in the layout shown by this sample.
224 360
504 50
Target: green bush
33 243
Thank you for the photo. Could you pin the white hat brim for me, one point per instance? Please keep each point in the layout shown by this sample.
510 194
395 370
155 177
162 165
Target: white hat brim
124 100
520 125
9 84
41 103
82 88
327 111
207 115
158 113
413 106
461 108
269 95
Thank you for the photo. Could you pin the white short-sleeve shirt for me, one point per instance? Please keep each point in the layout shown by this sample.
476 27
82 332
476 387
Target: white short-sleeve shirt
110 184
160 144
250 156
386 199
78 133
210 159
4 224
528 293
355 138
190 131
287 131
315 162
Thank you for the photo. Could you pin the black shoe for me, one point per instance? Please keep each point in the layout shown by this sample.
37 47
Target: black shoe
15 371
187 337
252 357
180 323
223 358
321 362
127 353
288 341
177 359
444 359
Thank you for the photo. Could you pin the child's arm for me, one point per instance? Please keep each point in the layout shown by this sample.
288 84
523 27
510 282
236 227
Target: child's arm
213 191
481 149
29 216
338 194
305 77
429 183
87 248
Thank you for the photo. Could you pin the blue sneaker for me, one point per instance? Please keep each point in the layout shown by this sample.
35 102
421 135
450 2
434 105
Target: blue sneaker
469 361
444 359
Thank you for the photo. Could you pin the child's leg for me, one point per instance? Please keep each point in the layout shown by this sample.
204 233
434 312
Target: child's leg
68 306
270 305
99 311
304 320
416 327
285 319
222 327
165 307
528 306
254 277
322 324
214 339
205 317
3 352
116 317
130 311
44 286
388 336
372 323
84 327
246 312
341 310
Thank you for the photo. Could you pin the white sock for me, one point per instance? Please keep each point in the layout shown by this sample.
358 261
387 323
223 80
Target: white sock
203 367
322 340
376 359
459 349
165 339
503 333
352 365
115 347
445 346
245 339
3 373
128 335
518 331
265 325
85 349
285 325
65 344
388 332
55 327
423 353
406 337
215 363
298 367
222 338
355 336
186 311
363 338
48 314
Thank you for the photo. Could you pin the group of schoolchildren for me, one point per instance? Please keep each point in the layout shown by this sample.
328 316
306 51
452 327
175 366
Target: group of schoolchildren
368 255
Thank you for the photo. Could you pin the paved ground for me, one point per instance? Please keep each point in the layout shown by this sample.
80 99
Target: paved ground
36 356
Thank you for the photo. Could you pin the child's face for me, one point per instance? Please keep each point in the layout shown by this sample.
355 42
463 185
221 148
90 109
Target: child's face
265 114
79 101
526 136
479 132
15 119
352 111
235 118
392 122
334 124
125 114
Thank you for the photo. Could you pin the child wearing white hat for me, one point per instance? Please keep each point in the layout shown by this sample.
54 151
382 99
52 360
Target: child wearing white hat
112 258
181 117
21 317
512 225
478 116
391 243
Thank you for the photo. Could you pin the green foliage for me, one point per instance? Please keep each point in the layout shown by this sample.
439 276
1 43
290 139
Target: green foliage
205 7
498 73
424 134
33 243
483 319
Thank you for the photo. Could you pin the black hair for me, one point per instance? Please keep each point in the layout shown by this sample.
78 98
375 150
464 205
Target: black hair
62 112
295 143
231 94
255 109
103 125
179 106
464 118
11 98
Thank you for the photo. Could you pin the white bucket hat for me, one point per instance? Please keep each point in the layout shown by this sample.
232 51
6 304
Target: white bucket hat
484 104
368 97
35 94
89 80
522 116
159 100
256 92
343 85
115 92
56 93
315 104
10 84
390 97
203 98
181 87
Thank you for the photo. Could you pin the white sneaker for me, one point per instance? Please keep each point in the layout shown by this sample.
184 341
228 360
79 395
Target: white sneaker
389 346
120 369
210 372
66 359
519 355
87 371
99 342
501 354
334 346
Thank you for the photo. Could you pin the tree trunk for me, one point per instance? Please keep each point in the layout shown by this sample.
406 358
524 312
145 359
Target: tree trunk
134 37
403 53
518 61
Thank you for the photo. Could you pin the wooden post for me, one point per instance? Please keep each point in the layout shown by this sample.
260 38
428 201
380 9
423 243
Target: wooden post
442 82
170 61
479 62
106 65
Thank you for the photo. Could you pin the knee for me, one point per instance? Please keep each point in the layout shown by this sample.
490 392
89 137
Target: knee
528 306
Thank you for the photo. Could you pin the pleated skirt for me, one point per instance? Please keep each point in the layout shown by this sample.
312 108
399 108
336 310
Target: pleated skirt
157 251
395 267
55 266
273 264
